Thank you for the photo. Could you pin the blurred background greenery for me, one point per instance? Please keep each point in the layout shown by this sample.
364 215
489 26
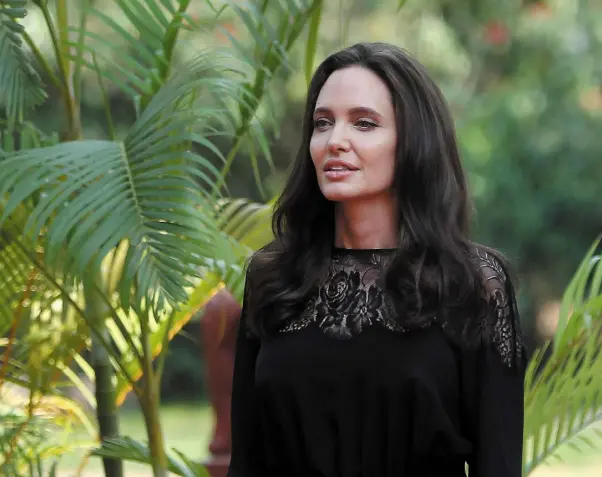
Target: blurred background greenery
524 81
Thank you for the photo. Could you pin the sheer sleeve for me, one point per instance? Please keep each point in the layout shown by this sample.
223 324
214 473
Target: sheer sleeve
246 459
493 375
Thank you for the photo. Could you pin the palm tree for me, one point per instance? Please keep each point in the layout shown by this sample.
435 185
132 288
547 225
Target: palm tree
124 229
121 240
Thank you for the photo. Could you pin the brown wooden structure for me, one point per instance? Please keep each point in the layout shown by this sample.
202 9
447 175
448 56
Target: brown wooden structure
219 326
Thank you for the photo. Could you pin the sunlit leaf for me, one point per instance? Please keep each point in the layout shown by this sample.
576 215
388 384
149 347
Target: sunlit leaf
148 189
563 395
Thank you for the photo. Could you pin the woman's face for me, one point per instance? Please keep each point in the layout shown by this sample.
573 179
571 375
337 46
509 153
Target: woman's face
354 138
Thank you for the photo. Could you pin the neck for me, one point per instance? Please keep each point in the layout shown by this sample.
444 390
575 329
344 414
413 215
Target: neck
366 224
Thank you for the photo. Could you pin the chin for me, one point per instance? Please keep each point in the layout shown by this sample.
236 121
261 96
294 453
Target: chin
336 193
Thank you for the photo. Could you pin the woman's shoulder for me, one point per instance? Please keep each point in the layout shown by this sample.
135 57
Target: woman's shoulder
493 269
257 258
500 328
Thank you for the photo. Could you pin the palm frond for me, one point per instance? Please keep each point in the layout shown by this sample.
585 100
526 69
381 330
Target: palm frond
34 430
271 40
139 50
35 309
24 136
248 223
588 276
149 190
272 37
563 395
131 450
245 226
163 327
20 85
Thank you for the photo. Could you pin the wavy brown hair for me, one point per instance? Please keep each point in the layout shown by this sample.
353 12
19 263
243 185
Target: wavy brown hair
433 272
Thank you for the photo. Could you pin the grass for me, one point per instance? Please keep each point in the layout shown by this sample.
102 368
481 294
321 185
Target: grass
188 428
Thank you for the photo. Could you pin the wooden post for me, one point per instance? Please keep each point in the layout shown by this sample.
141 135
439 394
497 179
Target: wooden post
219 326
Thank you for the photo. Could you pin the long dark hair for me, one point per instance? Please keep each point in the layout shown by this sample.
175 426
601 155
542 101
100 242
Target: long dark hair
433 272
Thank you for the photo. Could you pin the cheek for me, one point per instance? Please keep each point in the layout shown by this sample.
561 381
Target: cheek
381 163
316 150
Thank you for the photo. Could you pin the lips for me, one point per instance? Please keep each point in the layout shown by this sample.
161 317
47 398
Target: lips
337 170
338 166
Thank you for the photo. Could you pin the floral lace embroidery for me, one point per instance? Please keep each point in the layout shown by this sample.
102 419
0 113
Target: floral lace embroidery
351 299
502 327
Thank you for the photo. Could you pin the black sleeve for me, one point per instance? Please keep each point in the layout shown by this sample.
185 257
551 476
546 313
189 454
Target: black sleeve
494 384
247 440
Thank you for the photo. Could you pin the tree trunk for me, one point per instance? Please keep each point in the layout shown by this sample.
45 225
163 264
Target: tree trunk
106 410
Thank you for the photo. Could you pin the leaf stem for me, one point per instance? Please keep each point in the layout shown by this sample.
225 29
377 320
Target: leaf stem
77 72
169 42
151 400
269 65
41 60
105 98
73 121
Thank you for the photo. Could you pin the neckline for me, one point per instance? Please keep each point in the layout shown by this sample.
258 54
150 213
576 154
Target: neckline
359 251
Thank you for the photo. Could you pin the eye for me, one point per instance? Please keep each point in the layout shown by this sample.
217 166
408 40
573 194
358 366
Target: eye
321 123
365 124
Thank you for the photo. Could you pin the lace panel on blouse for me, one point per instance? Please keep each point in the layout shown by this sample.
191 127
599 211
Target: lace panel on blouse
502 327
351 299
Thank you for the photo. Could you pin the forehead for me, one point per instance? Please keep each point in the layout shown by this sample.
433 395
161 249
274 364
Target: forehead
352 87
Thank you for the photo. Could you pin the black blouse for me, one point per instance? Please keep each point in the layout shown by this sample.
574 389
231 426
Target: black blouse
345 391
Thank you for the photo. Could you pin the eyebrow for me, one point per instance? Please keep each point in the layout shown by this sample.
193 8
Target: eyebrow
355 110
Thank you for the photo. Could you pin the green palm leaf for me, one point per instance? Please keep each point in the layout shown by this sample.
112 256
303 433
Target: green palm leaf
20 85
35 309
563 398
248 223
163 327
42 341
140 51
31 435
148 190
271 39
273 29
128 449
245 226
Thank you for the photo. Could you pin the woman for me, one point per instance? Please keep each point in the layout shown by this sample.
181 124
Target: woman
376 339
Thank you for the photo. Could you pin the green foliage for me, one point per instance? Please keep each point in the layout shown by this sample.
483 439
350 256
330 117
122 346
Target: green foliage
144 57
312 43
530 133
39 313
134 451
20 85
36 431
124 232
563 398
136 190
115 244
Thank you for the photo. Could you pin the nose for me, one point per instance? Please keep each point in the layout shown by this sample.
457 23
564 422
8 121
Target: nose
338 141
